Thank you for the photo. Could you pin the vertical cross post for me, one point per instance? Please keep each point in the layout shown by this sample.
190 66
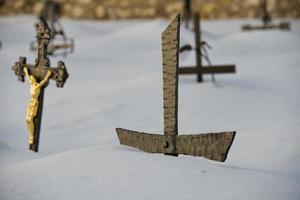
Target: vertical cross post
38 75
214 146
198 54
170 44
266 18
187 7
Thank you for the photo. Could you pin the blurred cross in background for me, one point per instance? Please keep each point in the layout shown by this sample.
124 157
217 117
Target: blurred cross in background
201 52
51 13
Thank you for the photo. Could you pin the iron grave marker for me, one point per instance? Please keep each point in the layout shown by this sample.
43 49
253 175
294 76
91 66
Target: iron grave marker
38 75
214 146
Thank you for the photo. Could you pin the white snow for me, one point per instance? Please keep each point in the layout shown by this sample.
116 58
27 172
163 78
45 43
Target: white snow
116 81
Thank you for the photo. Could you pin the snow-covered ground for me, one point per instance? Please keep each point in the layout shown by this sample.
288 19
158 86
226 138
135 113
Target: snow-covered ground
116 81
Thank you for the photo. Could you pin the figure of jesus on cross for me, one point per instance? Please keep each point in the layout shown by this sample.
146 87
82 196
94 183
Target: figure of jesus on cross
38 76
32 110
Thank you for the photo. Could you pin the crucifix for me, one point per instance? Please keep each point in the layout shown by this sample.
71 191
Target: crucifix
38 75
199 69
267 21
50 13
214 146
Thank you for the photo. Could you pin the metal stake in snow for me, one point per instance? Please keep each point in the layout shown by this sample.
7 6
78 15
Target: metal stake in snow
187 10
51 13
214 146
38 75
199 69
267 21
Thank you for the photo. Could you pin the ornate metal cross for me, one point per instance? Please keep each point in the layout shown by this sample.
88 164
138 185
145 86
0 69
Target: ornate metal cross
267 21
214 146
50 13
199 69
38 75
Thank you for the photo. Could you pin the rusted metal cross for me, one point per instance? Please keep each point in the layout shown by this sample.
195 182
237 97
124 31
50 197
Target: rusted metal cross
199 69
214 146
38 75
267 21
51 13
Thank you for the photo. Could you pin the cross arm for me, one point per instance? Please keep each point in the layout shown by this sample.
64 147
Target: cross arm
59 74
215 69
213 146
151 143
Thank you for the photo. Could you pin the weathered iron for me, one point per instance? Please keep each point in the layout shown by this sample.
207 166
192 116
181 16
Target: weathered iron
214 146
199 69
267 21
38 75
51 14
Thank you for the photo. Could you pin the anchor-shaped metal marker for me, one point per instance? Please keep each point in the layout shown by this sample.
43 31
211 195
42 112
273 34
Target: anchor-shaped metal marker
214 146
38 75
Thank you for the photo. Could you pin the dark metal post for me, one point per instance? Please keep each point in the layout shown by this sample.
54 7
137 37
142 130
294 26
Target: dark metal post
198 54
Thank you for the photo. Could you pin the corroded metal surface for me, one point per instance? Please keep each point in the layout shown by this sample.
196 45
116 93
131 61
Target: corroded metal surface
170 42
151 143
199 69
39 71
170 50
214 146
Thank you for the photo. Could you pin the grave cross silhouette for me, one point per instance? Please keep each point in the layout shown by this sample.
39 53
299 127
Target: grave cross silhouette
267 21
38 75
199 69
214 146
51 13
